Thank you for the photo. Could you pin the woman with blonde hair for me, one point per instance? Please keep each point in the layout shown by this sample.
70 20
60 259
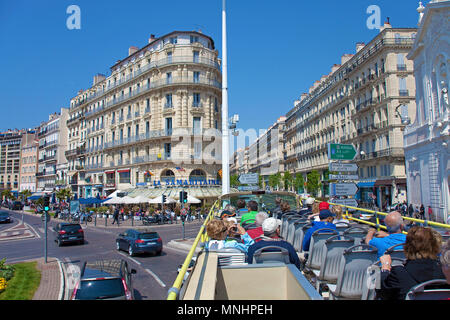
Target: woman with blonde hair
339 221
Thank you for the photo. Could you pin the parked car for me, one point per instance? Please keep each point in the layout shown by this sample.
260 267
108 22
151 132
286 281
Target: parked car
68 233
105 280
16 205
5 217
139 241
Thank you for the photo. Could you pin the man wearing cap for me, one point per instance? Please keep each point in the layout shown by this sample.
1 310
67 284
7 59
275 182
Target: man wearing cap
322 206
271 237
326 221
307 209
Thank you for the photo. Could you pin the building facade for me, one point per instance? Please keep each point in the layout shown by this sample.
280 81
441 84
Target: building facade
28 162
10 158
362 101
427 138
53 137
151 120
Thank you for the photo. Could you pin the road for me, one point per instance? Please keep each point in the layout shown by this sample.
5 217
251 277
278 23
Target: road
155 274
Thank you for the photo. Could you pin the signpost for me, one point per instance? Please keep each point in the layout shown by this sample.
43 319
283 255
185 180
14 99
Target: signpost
343 189
249 178
343 167
343 177
248 188
346 202
338 151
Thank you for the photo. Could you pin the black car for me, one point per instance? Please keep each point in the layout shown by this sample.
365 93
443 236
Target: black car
16 205
139 241
68 233
5 217
105 280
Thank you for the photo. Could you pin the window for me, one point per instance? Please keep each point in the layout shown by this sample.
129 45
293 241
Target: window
169 57
194 39
196 56
168 101
402 87
124 177
196 77
168 77
197 125
196 100
173 40
168 126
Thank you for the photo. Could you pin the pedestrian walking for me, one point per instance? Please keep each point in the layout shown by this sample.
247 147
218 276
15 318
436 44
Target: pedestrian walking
422 212
116 216
410 210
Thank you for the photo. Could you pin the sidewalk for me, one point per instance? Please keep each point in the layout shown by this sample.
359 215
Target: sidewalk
52 280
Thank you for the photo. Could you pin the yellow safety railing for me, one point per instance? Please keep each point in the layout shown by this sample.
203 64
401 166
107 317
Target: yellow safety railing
377 224
175 290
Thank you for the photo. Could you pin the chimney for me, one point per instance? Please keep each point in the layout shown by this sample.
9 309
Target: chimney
359 46
152 38
98 78
132 50
387 25
345 58
296 102
303 96
335 68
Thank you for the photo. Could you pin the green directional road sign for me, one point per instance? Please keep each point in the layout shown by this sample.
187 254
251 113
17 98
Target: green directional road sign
338 151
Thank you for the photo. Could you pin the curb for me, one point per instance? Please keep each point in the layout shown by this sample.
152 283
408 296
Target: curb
184 245
62 281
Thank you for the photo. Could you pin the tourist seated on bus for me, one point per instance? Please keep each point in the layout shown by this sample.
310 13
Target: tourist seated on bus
248 219
308 205
271 237
339 220
277 211
286 209
316 208
241 207
258 232
221 232
383 240
422 246
445 260
326 221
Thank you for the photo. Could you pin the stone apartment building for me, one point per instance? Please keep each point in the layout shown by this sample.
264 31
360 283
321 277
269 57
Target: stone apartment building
146 122
366 101
28 162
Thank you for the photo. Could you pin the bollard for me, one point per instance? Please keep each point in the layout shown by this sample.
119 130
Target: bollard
95 221
106 220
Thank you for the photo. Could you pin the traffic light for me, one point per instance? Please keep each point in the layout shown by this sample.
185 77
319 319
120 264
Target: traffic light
183 197
46 203
163 198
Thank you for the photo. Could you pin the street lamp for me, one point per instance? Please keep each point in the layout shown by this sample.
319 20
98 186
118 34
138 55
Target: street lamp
225 134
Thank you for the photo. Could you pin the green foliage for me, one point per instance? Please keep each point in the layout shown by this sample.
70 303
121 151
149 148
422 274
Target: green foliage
234 180
275 180
313 182
299 182
288 180
6 271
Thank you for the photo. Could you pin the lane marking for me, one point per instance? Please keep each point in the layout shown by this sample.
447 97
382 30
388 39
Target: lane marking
162 284
128 257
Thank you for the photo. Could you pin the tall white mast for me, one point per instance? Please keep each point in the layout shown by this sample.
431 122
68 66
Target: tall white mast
225 132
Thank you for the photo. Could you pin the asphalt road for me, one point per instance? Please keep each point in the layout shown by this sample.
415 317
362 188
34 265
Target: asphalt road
155 274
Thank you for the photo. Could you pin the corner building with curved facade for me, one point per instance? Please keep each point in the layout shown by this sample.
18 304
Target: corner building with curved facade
144 125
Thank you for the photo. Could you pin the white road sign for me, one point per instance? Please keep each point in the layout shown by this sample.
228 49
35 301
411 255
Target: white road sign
343 189
248 178
343 177
343 167
346 202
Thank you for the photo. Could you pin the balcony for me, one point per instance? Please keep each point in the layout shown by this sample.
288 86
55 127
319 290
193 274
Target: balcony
390 152
401 67
153 64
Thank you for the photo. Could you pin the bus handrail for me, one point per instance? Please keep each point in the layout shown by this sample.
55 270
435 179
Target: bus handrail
175 289
425 222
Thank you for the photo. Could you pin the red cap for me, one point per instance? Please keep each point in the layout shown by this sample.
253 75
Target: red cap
324 206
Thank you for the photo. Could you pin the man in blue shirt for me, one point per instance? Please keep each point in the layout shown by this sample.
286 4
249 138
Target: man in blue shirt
326 221
271 237
383 240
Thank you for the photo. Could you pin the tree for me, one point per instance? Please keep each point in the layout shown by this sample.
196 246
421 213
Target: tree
6 194
299 182
24 194
288 180
313 182
275 180
234 180
63 194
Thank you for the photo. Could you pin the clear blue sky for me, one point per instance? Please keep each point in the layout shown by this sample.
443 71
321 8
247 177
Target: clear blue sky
276 49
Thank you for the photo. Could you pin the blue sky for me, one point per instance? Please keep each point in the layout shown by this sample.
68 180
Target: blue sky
276 49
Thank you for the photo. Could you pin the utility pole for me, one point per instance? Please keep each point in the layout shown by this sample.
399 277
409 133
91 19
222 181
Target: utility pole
225 133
